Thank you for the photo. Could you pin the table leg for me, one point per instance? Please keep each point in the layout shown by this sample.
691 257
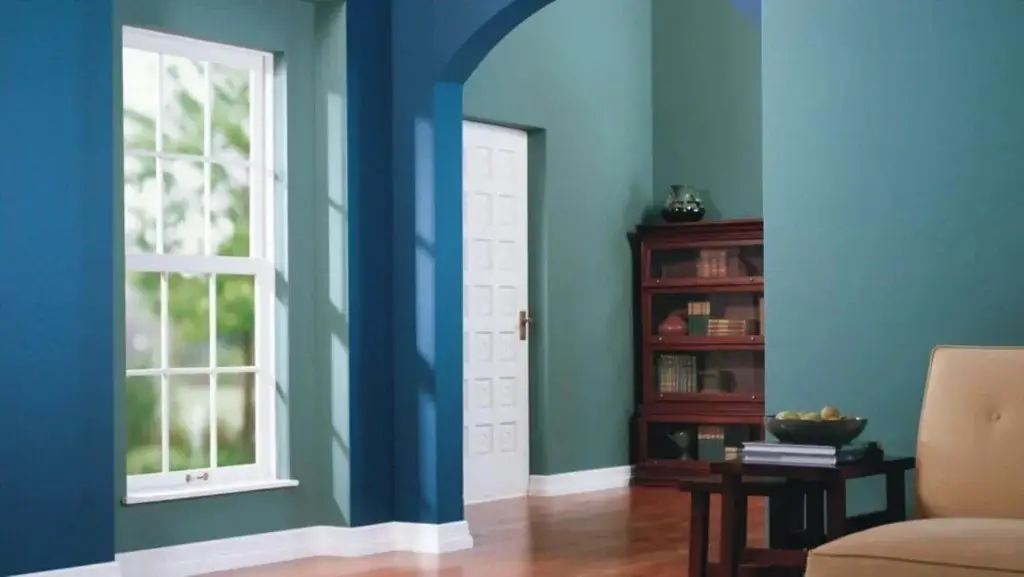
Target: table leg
779 520
700 517
896 496
733 525
835 524
786 517
815 528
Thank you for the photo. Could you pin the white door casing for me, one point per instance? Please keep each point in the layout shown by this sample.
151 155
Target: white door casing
495 392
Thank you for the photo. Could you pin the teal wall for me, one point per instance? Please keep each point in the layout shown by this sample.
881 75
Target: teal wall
578 70
893 138
312 327
707 103
331 460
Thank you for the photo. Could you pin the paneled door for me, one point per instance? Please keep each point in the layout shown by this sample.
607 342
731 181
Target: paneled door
496 394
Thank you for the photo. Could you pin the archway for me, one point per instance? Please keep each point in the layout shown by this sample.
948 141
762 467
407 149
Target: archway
411 470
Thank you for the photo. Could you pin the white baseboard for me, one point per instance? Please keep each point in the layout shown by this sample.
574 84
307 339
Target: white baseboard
111 569
580 481
265 548
324 541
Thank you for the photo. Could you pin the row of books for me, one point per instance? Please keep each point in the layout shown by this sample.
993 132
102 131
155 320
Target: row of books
677 374
805 455
731 327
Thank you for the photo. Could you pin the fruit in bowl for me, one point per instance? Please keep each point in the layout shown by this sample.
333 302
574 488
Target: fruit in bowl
827 427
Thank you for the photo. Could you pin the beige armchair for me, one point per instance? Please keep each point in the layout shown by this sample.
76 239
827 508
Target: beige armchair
970 479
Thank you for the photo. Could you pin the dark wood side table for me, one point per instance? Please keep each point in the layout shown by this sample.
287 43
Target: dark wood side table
786 513
825 492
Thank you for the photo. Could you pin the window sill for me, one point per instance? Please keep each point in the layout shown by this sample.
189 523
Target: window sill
207 491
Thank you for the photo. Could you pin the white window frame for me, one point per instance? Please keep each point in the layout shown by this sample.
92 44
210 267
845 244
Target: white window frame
259 264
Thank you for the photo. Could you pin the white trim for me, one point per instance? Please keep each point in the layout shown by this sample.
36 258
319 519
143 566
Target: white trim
111 569
192 492
185 47
321 541
259 264
197 265
580 481
232 161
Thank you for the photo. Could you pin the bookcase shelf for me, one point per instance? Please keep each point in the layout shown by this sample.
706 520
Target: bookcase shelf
699 324
741 343
739 284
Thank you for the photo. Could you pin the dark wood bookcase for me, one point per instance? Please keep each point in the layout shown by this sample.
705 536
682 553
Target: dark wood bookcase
699 324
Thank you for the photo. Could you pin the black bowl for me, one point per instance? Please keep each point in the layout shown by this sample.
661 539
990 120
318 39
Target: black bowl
825 433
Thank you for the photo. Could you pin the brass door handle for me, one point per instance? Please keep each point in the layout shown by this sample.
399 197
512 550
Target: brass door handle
524 322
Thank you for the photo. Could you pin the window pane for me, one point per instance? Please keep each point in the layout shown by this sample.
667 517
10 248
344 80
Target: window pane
229 209
236 321
142 320
188 306
184 222
230 113
141 204
141 98
142 425
183 102
189 421
236 419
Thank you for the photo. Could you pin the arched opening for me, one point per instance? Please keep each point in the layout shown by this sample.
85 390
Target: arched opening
434 146
406 248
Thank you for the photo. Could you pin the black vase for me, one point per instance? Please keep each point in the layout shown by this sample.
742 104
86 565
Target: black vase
683 205
683 212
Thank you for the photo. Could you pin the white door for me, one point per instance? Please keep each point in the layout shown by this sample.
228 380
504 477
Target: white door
495 389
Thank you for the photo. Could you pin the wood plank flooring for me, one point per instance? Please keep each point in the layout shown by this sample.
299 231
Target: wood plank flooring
635 532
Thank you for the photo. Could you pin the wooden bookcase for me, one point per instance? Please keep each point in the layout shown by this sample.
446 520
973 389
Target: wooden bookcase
700 388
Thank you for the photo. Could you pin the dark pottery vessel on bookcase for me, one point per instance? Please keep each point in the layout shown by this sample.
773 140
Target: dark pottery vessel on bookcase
683 205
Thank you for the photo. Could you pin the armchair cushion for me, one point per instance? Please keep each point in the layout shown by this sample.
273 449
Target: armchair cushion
951 547
972 423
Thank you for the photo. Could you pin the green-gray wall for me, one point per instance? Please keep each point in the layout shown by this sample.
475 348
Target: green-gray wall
893 139
312 387
707 104
579 70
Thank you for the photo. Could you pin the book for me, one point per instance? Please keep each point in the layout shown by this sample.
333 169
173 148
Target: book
799 460
760 447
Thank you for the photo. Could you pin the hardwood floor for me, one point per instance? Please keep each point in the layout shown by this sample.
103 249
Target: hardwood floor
637 532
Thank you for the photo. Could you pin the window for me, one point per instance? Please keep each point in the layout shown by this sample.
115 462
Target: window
199 247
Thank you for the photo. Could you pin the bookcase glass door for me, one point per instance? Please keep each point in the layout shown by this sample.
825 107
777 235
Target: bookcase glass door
682 442
677 316
709 372
707 264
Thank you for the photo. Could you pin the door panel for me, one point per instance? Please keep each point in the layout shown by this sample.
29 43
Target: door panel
495 359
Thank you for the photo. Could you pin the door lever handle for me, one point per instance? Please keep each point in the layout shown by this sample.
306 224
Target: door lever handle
524 322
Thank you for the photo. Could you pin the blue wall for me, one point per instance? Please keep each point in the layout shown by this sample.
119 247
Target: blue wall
368 58
590 170
893 133
57 303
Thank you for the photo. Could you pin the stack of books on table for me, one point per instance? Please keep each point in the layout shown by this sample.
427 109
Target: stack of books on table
801 455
